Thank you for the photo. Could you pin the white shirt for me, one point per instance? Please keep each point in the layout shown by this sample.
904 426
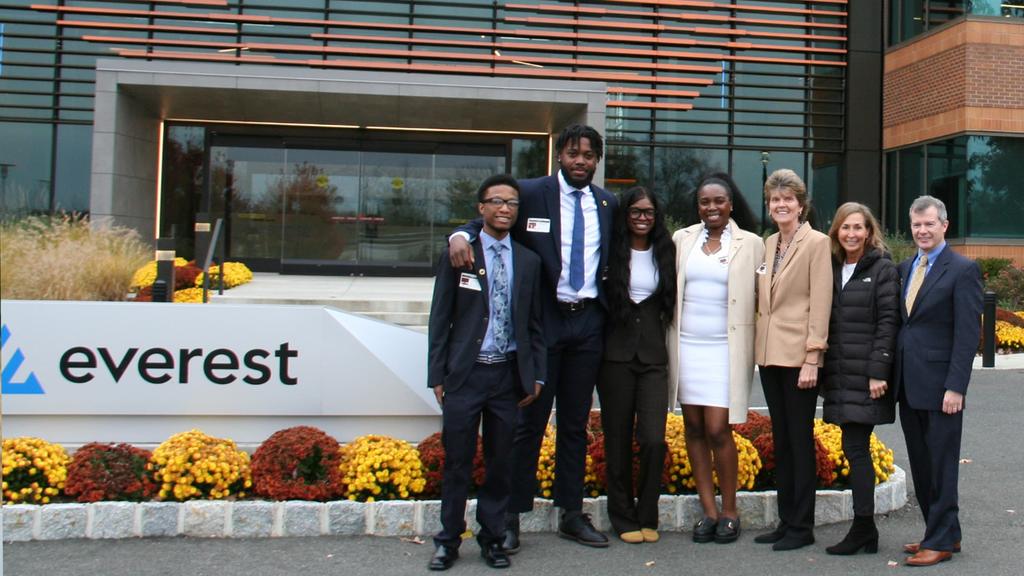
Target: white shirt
591 241
848 272
643 275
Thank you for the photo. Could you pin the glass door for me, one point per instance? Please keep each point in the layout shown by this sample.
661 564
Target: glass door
246 191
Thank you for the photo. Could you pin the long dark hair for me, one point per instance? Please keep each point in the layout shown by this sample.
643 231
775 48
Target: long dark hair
741 212
619 259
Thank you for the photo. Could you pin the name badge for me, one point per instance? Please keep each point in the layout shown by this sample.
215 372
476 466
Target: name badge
469 282
762 269
540 225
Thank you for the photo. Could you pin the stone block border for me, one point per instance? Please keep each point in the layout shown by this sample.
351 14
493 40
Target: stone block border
254 519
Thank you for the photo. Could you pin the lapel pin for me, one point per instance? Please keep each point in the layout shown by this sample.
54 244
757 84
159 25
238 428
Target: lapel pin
482 272
604 203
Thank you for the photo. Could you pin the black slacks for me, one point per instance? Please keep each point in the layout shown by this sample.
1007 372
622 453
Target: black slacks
574 358
633 391
792 412
933 448
489 394
857 447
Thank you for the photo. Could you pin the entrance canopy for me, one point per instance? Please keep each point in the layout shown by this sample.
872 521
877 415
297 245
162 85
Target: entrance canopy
134 99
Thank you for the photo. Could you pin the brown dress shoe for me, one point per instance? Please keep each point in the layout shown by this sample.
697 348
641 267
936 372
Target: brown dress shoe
913 547
926 557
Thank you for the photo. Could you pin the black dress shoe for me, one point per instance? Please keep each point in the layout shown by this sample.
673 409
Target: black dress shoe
511 541
704 530
792 542
772 537
728 530
494 555
576 526
444 557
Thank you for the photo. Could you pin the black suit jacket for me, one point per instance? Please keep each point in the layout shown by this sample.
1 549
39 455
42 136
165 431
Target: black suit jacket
642 335
459 318
936 345
539 198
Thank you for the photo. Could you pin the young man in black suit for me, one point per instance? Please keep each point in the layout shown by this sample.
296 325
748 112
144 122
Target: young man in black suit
487 356
935 350
567 221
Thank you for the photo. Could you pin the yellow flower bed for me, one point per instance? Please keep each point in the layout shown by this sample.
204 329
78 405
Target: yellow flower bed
1009 336
831 437
146 275
546 464
189 295
194 465
679 476
33 470
235 274
378 467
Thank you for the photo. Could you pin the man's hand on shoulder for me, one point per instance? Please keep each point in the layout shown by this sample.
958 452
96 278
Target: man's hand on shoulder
952 402
460 253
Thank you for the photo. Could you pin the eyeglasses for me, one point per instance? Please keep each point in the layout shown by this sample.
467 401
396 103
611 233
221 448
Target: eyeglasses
638 213
499 202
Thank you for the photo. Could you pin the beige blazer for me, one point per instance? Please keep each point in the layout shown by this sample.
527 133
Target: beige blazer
746 253
793 306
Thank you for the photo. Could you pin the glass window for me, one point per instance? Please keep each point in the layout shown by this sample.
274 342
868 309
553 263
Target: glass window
181 189
749 172
677 172
25 168
73 167
911 181
995 181
947 179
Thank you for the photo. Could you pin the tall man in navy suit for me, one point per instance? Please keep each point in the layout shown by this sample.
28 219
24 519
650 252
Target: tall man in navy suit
567 221
934 355
487 354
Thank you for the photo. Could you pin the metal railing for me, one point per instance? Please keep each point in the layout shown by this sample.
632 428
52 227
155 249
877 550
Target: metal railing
208 259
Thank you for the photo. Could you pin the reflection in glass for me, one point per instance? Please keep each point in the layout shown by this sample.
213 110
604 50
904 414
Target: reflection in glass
24 169
995 180
181 188
73 164
947 179
677 172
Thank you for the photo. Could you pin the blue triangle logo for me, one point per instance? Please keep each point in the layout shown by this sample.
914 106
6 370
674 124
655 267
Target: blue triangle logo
8 385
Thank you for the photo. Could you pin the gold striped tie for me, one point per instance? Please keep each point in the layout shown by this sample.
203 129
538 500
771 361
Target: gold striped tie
916 281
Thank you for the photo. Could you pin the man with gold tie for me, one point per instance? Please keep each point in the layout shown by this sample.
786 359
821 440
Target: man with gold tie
934 356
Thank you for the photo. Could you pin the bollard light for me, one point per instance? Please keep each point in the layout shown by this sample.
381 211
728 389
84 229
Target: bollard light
163 287
988 331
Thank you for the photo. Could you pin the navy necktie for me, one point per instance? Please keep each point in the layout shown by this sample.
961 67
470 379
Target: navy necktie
576 252
500 301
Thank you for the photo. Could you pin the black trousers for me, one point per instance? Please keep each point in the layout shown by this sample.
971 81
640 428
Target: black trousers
933 447
574 359
489 394
857 447
633 391
792 412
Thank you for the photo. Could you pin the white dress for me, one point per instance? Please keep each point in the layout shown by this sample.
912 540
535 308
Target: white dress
703 338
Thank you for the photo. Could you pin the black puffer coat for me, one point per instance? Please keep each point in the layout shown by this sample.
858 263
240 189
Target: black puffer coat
862 341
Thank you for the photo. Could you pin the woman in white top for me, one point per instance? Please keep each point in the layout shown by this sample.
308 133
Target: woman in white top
711 343
633 384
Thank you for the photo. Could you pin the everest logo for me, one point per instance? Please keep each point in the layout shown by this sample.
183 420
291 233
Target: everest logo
30 385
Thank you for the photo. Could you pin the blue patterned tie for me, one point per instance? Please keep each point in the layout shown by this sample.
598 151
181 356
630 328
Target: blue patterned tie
500 300
576 252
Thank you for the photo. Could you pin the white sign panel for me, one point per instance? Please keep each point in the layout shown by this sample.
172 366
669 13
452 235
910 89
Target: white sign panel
121 358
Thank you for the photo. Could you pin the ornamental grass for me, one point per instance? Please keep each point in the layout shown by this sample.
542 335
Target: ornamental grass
193 465
298 463
378 467
110 472
66 258
34 470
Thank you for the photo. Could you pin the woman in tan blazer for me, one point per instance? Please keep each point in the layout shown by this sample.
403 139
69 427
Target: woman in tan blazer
711 343
794 302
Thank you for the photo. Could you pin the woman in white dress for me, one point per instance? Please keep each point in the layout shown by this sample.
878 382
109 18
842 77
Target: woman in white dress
711 343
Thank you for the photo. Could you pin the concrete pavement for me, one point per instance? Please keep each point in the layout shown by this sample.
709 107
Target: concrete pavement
992 514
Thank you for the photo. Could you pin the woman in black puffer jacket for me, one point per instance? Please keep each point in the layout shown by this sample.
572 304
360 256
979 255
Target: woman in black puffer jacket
861 343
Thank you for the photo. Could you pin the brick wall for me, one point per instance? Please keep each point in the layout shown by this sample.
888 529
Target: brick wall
967 77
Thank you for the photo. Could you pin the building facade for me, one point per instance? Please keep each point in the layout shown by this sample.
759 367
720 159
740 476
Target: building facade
953 120
347 136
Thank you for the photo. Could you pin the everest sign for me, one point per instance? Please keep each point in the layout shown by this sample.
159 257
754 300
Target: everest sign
119 358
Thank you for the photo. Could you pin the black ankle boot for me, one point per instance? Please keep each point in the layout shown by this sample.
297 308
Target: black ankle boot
862 534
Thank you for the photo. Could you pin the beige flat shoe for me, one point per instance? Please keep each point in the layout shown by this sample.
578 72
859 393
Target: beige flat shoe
650 534
632 537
